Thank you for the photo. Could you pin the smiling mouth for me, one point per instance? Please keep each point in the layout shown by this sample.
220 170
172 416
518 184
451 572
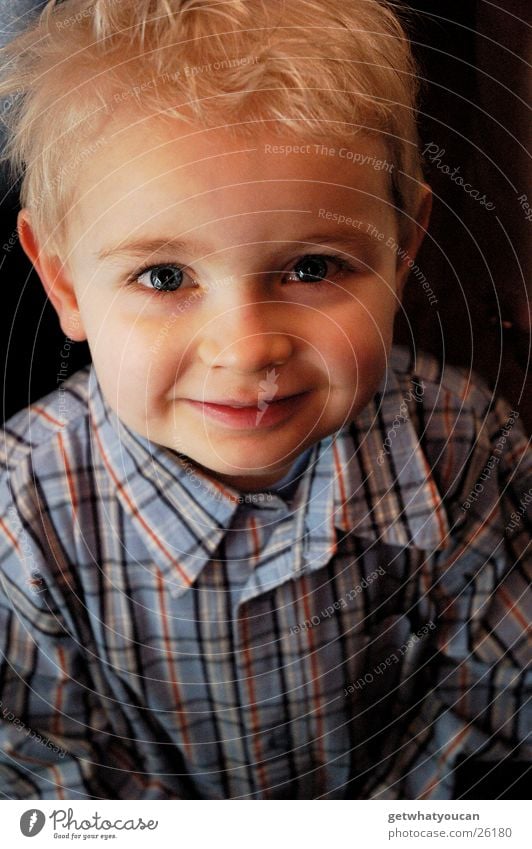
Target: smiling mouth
261 414
236 405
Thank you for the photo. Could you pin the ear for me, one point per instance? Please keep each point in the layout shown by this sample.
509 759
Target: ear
54 277
416 233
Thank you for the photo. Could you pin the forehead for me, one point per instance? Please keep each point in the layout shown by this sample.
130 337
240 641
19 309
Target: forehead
151 173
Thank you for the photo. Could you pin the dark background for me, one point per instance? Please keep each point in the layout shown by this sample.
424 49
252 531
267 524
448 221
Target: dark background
473 59
475 106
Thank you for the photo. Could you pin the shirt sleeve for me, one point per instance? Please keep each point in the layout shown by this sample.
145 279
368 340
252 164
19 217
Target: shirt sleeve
49 726
479 704
57 740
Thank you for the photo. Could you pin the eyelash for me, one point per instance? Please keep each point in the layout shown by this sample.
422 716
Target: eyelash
132 280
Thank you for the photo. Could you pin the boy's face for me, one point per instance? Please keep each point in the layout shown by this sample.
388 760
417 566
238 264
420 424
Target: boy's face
272 300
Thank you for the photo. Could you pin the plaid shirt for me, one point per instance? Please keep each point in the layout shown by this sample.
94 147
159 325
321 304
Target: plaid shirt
164 636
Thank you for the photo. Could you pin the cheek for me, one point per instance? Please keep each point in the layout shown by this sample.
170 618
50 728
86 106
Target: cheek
355 357
133 354
357 340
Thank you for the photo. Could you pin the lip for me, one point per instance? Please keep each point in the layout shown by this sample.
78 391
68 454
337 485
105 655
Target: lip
250 417
244 402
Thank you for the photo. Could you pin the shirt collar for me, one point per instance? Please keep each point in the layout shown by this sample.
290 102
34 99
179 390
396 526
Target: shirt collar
371 479
180 512
352 484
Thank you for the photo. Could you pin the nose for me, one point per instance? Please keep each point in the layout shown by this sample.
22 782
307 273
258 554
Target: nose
246 339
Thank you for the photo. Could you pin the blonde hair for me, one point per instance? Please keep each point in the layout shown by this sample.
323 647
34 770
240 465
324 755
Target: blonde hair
328 68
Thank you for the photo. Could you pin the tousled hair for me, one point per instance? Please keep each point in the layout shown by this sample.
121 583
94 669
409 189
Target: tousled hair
320 68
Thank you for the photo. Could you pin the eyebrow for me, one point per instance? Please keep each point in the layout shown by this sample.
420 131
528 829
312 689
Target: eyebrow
344 237
144 247
141 247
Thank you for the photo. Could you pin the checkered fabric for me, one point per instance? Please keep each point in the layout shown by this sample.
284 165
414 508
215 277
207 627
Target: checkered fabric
164 636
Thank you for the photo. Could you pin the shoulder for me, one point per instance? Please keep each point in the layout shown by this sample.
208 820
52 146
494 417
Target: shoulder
452 402
460 422
44 446
454 386
46 453
35 429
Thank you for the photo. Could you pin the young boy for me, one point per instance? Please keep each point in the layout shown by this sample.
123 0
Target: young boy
252 551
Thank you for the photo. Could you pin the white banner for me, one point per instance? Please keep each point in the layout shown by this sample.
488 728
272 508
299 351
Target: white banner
278 825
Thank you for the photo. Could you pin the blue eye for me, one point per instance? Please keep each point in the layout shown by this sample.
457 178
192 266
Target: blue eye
164 278
320 269
311 269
